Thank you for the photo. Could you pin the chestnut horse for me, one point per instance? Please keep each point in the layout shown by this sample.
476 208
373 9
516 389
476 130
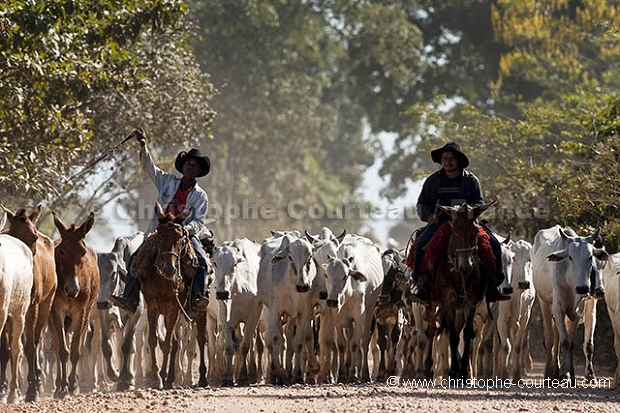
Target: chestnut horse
78 286
458 284
166 276
22 226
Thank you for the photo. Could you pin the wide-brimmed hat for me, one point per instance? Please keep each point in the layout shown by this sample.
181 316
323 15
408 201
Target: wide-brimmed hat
204 161
452 147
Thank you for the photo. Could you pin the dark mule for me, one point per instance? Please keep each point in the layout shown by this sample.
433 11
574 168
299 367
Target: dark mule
165 276
22 226
459 282
78 285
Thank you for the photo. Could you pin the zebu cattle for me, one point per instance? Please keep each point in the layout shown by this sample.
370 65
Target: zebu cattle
324 245
390 312
78 285
353 283
286 273
16 280
112 271
514 315
563 264
236 271
611 280
22 226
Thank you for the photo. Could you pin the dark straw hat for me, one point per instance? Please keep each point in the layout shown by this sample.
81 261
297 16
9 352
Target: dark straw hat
452 147
205 162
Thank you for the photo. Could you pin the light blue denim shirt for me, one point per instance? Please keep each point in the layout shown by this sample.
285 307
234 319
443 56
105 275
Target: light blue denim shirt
167 185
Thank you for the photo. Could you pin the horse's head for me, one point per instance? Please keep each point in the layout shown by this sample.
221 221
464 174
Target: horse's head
22 226
71 255
464 239
172 242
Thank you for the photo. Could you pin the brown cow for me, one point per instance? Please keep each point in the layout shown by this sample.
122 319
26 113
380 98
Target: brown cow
78 285
22 226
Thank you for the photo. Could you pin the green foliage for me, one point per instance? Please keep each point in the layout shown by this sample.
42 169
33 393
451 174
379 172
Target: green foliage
77 77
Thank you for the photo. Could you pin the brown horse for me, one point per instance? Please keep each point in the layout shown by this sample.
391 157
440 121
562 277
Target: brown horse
458 284
166 276
22 226
78 285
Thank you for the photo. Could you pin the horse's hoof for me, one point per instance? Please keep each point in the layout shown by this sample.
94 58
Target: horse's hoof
227 383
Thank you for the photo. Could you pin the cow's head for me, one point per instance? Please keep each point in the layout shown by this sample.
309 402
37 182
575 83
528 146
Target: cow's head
522 265
579 254
301 263
342 279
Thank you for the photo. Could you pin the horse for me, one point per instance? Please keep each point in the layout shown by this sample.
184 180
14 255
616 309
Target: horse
459 282
166 278
22 226
16 279
78 286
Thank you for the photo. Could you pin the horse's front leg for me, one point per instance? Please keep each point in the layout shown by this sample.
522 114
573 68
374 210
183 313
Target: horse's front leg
170 347
455 357
153 375
62 353
468 336
79 330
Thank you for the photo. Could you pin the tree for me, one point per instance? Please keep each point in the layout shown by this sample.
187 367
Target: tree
298 81
77 77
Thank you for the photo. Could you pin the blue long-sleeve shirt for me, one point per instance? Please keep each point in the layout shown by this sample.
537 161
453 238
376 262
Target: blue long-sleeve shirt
167 185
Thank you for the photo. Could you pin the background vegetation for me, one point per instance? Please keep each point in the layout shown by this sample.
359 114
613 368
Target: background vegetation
288 98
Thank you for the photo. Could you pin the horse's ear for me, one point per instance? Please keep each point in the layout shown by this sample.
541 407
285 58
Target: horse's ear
7 212
87 225
481 208
59 224
34 215
158 210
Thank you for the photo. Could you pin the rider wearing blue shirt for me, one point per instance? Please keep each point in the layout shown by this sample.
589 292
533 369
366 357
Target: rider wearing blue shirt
175 194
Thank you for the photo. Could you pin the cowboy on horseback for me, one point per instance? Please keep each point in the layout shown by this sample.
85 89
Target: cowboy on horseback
451 185
175 195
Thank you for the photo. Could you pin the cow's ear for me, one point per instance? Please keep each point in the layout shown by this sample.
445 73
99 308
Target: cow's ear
601 254
280 255
358 276
557 256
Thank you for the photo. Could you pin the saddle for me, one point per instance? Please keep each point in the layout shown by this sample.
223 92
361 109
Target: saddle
437 246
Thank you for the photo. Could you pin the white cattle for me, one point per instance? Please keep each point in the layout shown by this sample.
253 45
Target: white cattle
286 273
236 271
563 264
16 279
611 280
112 272
354 280
324 245
514 314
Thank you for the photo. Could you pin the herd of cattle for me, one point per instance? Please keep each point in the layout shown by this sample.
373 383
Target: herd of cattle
313 308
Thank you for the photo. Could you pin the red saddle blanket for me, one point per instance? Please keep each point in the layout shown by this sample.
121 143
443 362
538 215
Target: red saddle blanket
436 248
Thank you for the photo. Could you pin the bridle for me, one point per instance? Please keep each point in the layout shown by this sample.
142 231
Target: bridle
183 250
452 253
